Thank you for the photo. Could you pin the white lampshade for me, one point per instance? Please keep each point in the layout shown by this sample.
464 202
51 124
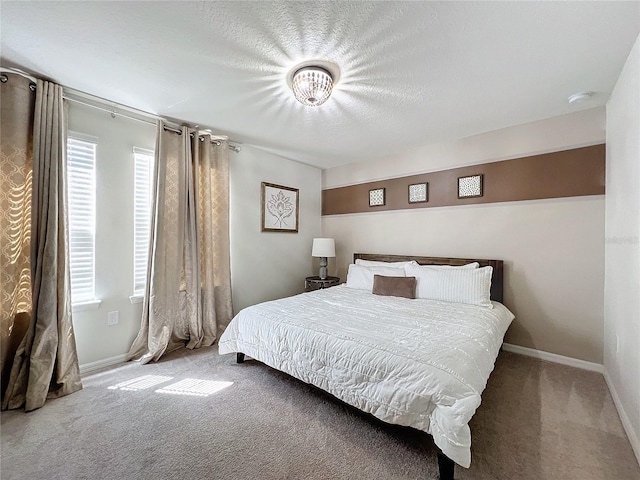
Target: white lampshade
323 247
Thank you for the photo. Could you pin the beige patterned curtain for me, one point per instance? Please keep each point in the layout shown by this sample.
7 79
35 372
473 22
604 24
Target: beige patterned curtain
16 139
188 294
45 364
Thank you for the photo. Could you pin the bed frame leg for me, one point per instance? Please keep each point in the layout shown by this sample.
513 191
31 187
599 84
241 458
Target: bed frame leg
240 359
445 466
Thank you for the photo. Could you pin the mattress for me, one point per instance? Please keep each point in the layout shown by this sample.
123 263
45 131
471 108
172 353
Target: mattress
418 363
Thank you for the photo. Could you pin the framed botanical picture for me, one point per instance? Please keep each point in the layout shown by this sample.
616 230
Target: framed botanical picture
279 208
469 187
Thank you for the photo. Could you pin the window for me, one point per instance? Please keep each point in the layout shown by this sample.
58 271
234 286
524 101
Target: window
81 187
143 160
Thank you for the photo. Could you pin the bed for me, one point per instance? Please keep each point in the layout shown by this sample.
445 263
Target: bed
421 362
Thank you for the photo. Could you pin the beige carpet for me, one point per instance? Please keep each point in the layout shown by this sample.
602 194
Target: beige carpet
537 421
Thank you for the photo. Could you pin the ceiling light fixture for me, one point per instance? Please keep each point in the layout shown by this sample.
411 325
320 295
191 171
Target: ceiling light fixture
312 85
312 81
579 97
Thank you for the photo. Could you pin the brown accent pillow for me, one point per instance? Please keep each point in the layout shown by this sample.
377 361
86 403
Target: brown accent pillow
394 286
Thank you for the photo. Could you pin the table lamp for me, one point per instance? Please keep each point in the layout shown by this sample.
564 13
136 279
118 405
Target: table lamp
323 248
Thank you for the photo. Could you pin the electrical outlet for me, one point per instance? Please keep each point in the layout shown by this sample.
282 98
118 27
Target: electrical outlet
112 318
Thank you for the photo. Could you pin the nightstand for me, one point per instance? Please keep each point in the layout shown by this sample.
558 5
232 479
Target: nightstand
316 283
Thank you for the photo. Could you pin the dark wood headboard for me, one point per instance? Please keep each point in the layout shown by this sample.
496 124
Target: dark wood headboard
496 278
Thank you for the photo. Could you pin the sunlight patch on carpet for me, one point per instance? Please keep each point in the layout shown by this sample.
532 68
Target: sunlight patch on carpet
141 383
195 387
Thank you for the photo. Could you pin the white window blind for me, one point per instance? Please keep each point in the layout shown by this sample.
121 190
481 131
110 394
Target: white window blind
142 216
81 187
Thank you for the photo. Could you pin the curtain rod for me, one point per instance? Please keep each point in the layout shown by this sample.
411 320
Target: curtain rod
111 111
192 135
134 113
83 99
17 72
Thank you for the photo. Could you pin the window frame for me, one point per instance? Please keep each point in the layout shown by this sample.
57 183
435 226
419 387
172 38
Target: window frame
86 302
138 291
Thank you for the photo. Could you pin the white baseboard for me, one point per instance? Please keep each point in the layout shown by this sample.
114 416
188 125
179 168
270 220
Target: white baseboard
107 362
626 423
552 357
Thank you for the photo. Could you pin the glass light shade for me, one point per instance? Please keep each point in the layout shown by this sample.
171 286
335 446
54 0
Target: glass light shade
323 247
312 86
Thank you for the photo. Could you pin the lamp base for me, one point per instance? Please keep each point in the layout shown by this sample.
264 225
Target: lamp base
323 268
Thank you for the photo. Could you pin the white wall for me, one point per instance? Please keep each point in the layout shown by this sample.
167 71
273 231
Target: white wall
96 341
553 249
268 265
622 247
580 129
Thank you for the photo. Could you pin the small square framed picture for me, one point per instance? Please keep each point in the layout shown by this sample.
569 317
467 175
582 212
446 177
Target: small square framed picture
470 186
419 193
377 197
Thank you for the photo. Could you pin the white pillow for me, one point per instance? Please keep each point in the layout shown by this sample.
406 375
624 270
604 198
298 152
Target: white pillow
374 263
458 285
361 277
468 266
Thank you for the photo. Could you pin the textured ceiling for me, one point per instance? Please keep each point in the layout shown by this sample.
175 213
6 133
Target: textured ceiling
412 73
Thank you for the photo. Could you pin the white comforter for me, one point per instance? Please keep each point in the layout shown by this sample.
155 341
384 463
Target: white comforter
419 363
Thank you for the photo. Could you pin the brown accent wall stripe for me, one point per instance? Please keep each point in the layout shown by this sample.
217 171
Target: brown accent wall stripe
568 173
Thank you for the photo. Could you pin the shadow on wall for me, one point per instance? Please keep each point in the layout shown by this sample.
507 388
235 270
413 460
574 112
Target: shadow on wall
549 317
519 297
